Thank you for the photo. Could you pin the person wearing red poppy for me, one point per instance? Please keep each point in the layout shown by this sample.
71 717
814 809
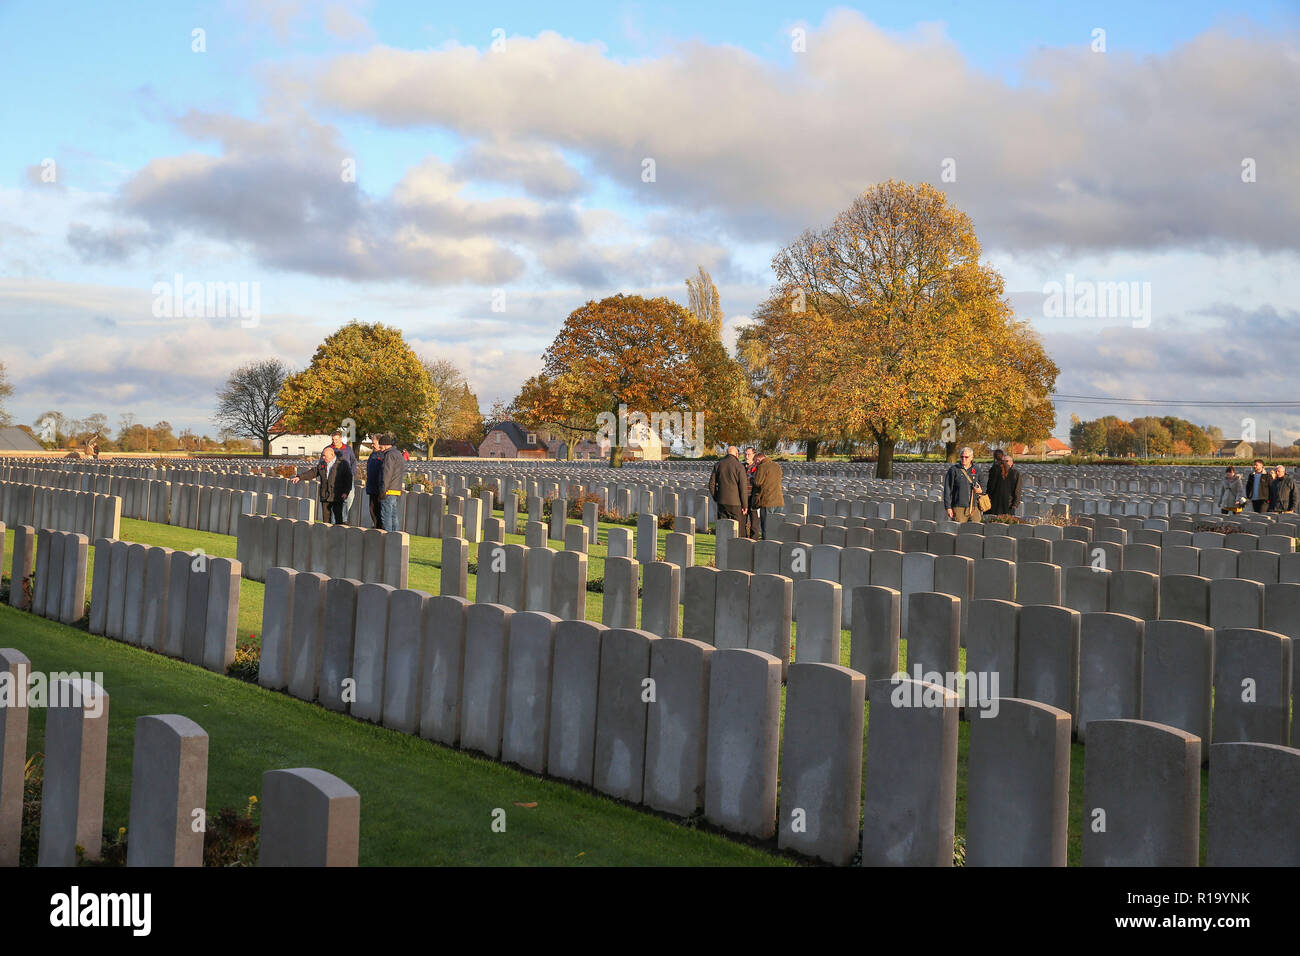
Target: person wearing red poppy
961 488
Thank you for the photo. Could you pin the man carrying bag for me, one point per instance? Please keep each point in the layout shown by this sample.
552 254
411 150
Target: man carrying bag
962 491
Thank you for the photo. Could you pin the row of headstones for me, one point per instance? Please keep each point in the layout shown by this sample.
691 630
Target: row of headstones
308 817
1077 546
48 573
339 551
1141 791
134 498
179 603
143 498
134 492
1135 526
560 697
1238 681
425 514
1096 586
273 485
82 512
732 609
205 508
678 725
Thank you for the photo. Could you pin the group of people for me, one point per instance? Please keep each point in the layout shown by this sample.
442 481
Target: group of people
962 488
1264 489
747 492
336 470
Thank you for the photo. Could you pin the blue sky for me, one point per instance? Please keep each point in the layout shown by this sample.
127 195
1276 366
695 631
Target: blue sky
517 170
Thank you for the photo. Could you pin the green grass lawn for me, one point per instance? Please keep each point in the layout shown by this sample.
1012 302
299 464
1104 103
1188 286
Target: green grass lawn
421 803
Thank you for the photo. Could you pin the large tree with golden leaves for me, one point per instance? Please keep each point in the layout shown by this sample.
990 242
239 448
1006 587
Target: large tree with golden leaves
876 318
651 355
1002 392
367 373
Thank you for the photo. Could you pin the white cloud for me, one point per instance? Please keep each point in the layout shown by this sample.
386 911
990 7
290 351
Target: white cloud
1093 150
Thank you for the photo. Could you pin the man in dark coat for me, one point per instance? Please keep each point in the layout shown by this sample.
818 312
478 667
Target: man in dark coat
729 486
960 486
749 527
1004 487
990 486
344 452
334 478
1282 492
375 483
1257 486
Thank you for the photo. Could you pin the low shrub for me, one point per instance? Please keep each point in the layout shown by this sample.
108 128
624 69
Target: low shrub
424 481
231 838
248 660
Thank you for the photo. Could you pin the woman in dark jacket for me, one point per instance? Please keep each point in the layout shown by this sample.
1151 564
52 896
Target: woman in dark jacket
1004 487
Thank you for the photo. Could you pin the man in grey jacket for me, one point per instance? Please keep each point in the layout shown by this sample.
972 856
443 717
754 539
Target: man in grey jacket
394 468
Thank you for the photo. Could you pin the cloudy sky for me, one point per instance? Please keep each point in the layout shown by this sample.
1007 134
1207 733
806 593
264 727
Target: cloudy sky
400 163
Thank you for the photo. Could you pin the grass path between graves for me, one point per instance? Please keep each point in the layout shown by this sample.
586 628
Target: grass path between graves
421 804
230 783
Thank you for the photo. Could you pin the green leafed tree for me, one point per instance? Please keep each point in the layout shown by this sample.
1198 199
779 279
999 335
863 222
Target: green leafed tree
365 373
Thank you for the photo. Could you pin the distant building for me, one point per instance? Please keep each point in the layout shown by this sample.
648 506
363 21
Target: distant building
1052 448
591 449
449 448
1235 449
510 440
307 446
15 439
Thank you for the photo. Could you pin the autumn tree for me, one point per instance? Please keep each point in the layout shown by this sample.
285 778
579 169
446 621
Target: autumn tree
775 355
562 404
457 416
1003 385
703 300
651 355
249 403
6 390
364 372
871 323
